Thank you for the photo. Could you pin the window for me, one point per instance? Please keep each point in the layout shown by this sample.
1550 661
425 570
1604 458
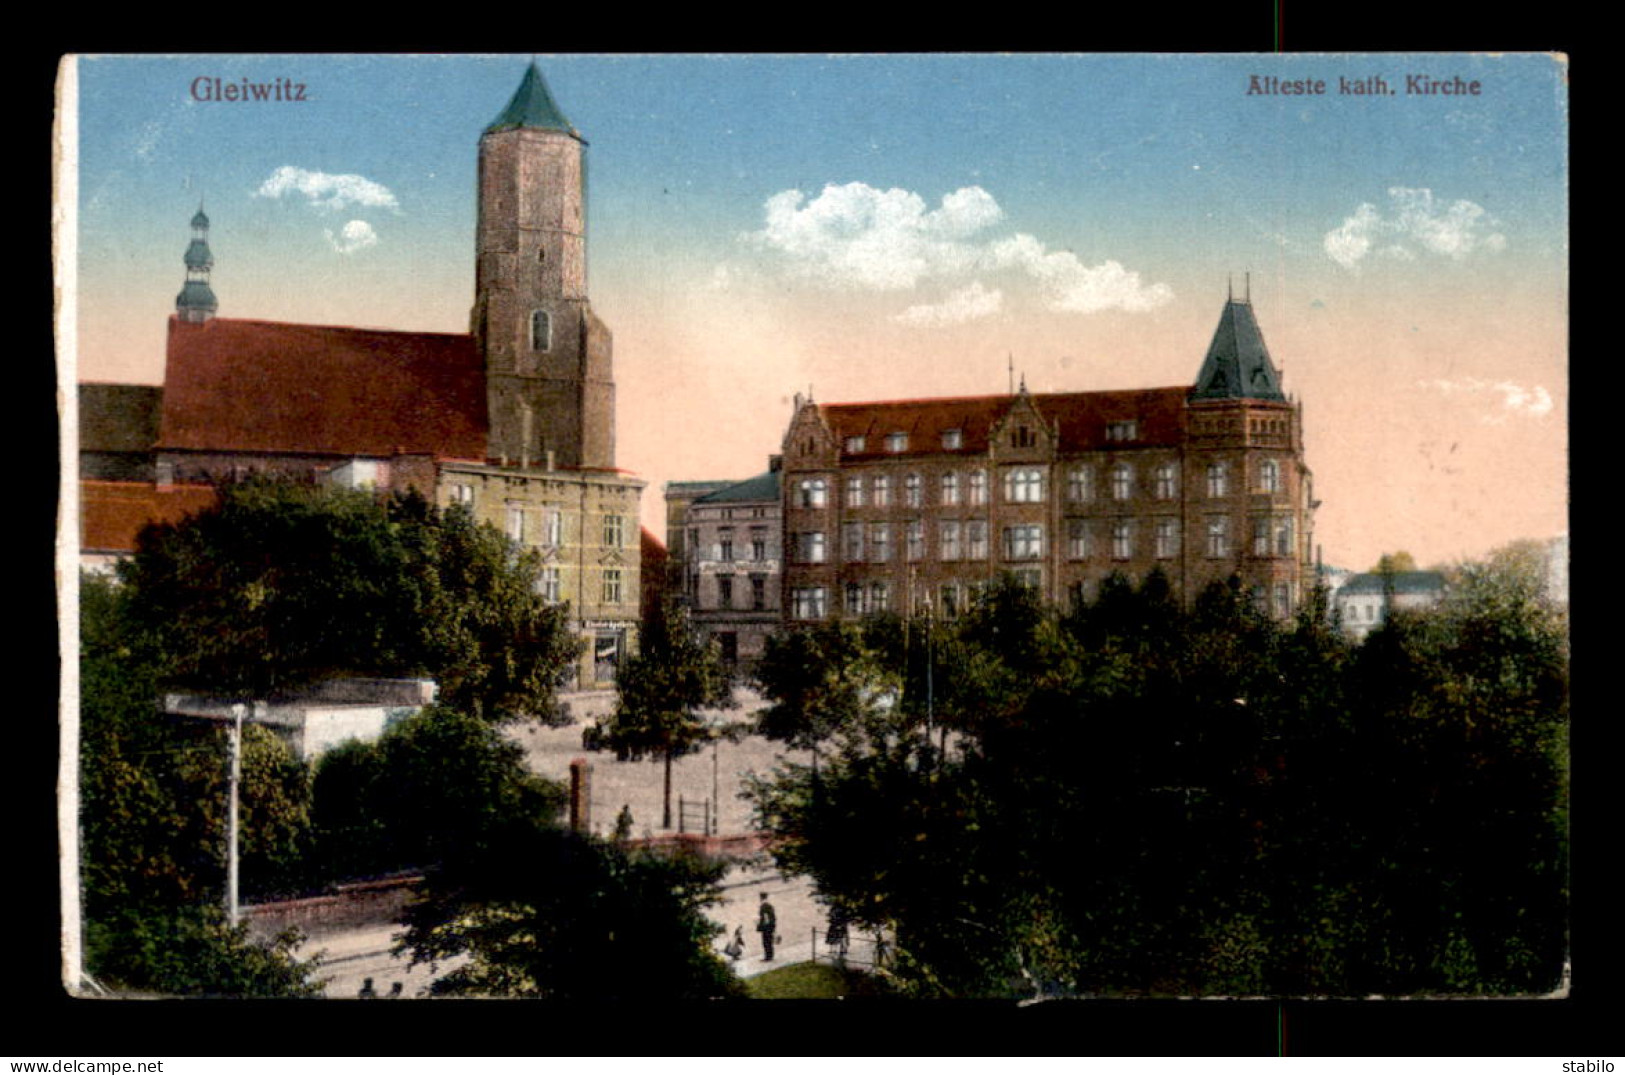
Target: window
1217 480
758 544
1283 536
1167 539
541 331
552 528
879 542
725 591
950 489
1080 485
1122 481
854 492
725 544
613 531
912 486
612 586
852 542
897 442
879 596
1023 542
1023 437
1283 600
978 487
1129 430
1261 537
882 490
952 440
1122 539
854 445
1167 485
516 523
810 547
976 540
1218 536
1030 577
854 598
548 585
914 536
808 602
811 492
758 592
1269 476
1024 485
948 539
950 601
1077 539
462 494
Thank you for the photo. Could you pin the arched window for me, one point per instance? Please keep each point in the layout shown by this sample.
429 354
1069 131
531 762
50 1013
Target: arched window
541 331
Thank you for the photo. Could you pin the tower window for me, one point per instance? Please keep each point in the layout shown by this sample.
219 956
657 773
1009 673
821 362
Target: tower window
541 331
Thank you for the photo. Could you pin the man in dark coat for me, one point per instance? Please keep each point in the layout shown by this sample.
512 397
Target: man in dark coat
767 923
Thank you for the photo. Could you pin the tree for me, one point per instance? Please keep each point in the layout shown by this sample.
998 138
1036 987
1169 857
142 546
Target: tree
821 679
282 584
540 912
434 782
1392 563
661 691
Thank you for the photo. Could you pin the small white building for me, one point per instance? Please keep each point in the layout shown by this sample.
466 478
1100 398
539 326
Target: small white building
1364 601
317 718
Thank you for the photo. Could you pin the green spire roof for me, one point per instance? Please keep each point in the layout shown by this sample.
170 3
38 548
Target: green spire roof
1238 365
532 106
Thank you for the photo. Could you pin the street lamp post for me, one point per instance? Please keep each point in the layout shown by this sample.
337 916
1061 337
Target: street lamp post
234 773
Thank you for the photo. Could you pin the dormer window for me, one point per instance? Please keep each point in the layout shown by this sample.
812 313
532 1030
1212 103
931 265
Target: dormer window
953 439
1023 437
541 331
854 445
897 442
1125 430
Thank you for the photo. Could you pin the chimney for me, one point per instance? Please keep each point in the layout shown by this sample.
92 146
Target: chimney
775 463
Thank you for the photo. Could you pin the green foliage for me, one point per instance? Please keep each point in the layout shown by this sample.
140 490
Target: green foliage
1148 800
543 913
432 782
283 584
192 952
821 679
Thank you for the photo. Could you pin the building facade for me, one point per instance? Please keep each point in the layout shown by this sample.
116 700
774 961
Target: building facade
515 420
917 505
1365 601
732 561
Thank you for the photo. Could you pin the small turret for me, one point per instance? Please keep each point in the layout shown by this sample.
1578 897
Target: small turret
196 302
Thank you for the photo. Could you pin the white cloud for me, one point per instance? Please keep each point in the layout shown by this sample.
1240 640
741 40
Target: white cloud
325 191
1415 221
1075 287
856 236
966 304
356 235
1533 402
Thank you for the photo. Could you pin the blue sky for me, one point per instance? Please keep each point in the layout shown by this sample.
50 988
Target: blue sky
890 225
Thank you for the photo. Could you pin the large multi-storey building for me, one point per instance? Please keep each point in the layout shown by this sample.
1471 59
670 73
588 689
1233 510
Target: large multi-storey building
913 505
730 542
515 419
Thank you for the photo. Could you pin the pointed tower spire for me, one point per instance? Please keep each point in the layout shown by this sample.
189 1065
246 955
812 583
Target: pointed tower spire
532 106
1238 364
196 302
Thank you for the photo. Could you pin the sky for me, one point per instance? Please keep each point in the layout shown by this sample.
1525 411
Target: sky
891 226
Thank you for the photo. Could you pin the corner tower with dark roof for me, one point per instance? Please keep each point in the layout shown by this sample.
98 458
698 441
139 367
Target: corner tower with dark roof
196 302
548 360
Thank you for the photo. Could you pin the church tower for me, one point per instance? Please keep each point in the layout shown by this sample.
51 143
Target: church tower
196 302
548 360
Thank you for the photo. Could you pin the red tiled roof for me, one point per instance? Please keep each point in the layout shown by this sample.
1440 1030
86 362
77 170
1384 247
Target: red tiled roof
111 514
266 386
1160 413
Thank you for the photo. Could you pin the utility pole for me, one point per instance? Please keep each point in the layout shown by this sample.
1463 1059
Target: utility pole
234 773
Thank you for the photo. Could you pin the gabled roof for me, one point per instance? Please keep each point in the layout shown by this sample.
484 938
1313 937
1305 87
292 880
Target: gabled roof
762 487
532 106
1238 365
1082 417
111 514
119 417
264 386
1404 582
